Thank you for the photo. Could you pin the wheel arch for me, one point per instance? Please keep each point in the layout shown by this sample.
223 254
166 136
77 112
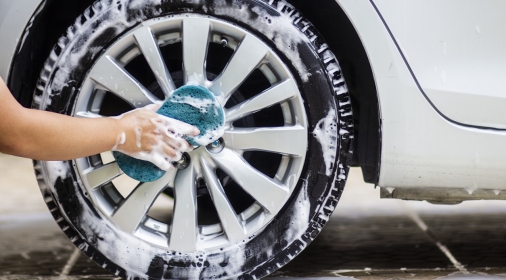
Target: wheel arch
48 25
340 34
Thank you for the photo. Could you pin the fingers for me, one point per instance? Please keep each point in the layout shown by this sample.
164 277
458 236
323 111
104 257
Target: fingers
178 144
171 155
162 162
154 107
153 137
179 127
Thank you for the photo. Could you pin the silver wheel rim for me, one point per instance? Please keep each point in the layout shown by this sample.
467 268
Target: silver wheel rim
129 212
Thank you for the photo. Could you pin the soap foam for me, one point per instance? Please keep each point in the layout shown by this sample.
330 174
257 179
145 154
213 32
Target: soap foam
326 133
197 106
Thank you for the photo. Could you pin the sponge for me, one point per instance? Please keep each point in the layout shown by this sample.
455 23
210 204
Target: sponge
191 104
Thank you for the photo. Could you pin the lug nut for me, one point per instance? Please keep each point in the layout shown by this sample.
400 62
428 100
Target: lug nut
217 146
224 42
183 163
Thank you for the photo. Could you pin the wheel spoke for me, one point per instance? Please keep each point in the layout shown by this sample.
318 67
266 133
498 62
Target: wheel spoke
264 190
228 217
149 48
183 235
136 206
288 140
195 41
274 95
247 57
87 115
98 176
117 80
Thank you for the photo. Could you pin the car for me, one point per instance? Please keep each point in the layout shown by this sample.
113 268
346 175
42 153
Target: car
410 92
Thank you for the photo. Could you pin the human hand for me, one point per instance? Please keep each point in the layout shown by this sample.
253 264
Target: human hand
146 135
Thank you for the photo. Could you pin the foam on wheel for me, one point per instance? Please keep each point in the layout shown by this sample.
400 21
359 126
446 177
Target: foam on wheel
245 206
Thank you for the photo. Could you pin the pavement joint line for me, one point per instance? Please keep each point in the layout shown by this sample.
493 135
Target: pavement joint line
386 270
423 226
70 263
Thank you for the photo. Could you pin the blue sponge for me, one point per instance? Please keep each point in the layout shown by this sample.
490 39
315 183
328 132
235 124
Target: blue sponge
194 105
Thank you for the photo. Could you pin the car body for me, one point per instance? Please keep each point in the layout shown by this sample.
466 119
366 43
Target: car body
424 79
438 80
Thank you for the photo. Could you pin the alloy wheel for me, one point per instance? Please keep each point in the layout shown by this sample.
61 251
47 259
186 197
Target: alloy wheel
211 168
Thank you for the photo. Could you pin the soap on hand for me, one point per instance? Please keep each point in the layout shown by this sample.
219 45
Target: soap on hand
191 104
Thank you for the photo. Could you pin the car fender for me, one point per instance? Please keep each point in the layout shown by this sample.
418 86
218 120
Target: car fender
456 51
14 19
421 148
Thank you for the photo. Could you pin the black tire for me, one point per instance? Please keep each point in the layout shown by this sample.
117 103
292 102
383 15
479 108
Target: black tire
317 191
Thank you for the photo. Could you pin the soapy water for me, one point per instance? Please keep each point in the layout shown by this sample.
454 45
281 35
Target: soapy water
475 276
133 254
326 133
280 29
300 215
162 141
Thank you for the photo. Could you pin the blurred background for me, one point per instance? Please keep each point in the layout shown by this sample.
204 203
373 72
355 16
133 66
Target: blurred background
366 238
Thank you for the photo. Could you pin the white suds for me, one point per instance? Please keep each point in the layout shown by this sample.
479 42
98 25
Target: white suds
120 140
151 143
470 190
210 136
114 20
125 250
138 136
56 169
135 255
235 259
326 133
300 215
280 29
195 80
199 103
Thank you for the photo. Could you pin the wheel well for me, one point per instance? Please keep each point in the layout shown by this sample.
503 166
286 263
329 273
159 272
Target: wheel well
328 17
338 31
48 26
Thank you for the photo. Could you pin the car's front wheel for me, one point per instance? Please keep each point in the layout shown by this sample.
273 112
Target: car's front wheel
243 206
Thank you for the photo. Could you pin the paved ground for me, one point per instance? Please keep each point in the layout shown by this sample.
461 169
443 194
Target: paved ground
366 238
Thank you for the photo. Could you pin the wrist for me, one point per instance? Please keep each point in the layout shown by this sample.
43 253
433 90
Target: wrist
117 136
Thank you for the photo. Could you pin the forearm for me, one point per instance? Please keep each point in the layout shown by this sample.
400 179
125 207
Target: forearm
48 136
43 135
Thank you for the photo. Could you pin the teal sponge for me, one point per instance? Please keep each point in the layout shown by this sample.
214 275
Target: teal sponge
197 106
194 105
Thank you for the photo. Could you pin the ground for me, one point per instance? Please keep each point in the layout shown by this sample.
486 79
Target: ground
366 238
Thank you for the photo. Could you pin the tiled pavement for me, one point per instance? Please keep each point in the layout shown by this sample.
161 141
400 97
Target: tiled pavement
366 238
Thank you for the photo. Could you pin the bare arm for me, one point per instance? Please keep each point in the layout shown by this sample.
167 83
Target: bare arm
49 136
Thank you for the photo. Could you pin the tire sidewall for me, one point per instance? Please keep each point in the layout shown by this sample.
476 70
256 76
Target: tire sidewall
296 224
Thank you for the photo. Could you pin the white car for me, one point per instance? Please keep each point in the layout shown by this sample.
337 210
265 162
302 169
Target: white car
410 91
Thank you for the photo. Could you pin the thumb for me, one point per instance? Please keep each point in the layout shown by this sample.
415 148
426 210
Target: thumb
153 107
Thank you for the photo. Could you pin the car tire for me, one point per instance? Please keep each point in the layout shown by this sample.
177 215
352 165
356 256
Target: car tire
306 174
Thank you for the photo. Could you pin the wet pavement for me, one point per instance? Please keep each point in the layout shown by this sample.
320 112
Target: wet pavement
366 238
